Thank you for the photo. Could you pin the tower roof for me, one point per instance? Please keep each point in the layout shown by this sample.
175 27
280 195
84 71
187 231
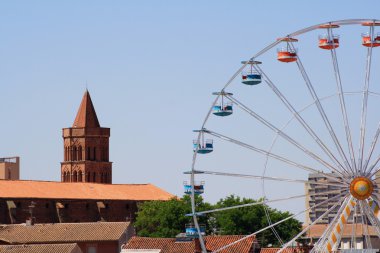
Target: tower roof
86 116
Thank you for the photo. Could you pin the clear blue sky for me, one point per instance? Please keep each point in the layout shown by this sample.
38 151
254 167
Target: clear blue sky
150 67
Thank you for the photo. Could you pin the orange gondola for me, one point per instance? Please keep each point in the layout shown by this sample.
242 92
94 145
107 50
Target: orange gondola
287 54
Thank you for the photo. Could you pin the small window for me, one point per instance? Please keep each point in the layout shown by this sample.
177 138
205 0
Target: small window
92 249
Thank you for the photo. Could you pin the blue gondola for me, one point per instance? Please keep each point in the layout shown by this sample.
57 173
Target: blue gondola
191 230
198 187
203 148
251 77
222 110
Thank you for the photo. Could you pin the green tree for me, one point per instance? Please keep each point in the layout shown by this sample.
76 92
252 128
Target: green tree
166 218
247 220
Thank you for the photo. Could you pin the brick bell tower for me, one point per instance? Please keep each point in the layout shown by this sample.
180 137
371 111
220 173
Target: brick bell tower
86 148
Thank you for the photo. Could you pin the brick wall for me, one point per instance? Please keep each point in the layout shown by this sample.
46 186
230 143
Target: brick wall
66 211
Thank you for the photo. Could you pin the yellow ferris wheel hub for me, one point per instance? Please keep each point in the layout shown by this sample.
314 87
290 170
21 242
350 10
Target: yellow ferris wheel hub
361 188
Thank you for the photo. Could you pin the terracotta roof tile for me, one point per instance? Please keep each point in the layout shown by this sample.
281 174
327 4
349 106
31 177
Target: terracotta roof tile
169 245
275 250
41 248
317 230
216 242
63 232
58 190
86 116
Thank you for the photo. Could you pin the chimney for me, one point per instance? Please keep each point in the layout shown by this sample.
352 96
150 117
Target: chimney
30 220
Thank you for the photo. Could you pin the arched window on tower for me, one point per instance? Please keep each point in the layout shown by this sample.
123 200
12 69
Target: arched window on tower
80 176
68 154
105 177
74 153
75 176
94 154
88 155
88 177
80 153
66 176
94 177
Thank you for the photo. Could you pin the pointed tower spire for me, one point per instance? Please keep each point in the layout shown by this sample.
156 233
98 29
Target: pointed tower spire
86 116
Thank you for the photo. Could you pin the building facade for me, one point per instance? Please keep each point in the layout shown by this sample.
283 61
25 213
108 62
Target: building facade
57 202
10 168
86 147
311 199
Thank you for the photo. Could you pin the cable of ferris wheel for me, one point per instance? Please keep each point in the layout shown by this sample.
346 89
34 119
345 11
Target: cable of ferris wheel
365 101
289 243
215 173
280 132
272 155
321 110
278 222
372 148
342 103
300 119
264 202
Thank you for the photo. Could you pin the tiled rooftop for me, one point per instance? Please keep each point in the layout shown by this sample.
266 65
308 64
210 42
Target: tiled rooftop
317 230
169 245
62 232
41 248
58 190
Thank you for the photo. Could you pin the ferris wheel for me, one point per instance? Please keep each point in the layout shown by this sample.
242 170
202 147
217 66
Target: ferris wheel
317 97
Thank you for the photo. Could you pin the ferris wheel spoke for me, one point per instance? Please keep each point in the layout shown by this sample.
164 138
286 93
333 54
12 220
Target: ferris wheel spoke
365 102
372 171
372 148
289 243
277 223
215 173
321 110
280 132
272 155
342 103
265 202
300 119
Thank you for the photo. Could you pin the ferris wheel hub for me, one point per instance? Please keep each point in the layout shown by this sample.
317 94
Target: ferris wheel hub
361 188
